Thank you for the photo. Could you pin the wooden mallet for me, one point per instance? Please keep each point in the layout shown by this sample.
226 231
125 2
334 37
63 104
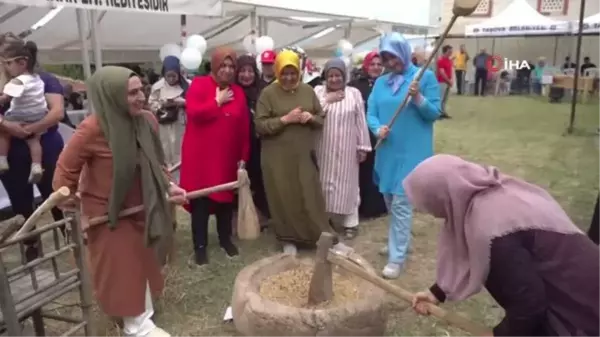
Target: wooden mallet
321 284
460 8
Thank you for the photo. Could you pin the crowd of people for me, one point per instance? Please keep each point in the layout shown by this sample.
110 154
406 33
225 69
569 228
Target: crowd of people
524 80
311 158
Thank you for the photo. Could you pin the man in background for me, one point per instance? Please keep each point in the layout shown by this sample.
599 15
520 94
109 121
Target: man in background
460 67
73 100
444 76
568 64
587 64
481 71
267 61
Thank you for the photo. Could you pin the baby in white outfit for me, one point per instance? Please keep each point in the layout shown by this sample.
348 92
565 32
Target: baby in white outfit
25 91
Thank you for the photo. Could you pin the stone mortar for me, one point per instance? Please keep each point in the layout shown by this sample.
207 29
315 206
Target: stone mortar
257 316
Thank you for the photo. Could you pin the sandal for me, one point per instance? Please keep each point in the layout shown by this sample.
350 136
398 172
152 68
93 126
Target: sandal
351 232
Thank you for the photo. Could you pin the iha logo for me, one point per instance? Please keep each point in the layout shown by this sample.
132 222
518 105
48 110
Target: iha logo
496 63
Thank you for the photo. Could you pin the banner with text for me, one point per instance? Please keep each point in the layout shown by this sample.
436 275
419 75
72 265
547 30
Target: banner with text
518 30
189 7
588 27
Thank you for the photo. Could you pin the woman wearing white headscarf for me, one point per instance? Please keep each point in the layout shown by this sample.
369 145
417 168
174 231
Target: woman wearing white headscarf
341 146
167 101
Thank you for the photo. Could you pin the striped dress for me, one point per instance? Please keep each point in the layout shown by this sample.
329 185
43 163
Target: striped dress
344 134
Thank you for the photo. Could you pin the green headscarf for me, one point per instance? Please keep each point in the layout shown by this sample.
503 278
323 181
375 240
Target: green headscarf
132 141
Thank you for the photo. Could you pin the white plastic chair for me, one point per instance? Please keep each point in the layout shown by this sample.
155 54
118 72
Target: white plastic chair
592 72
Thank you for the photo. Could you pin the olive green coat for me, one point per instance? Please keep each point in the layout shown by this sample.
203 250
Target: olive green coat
289 165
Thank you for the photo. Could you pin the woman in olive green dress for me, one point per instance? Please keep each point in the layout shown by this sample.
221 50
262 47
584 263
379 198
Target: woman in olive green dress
288 115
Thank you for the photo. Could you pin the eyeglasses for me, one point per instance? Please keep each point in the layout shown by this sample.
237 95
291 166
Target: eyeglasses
9 61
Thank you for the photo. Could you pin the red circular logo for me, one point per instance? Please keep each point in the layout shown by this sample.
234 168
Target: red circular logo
494 63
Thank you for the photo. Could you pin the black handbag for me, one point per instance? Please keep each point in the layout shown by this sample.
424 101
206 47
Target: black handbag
167 114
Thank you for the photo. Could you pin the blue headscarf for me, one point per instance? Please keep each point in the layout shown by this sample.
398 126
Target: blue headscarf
395 44
171 63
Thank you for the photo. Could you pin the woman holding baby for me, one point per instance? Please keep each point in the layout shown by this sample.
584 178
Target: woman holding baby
18 56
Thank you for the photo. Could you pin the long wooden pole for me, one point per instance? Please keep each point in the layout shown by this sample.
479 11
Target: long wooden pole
54 199
192 195
449 317
422 70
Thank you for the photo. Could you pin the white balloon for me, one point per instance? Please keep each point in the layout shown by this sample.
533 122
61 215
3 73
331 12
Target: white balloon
196 42
191 59
249 43
170 49
264 43
345 47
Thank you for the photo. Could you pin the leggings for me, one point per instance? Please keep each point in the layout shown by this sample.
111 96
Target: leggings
19 191
202 208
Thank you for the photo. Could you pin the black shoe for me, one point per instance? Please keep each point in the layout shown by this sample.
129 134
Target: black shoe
31 253
201 257
230 249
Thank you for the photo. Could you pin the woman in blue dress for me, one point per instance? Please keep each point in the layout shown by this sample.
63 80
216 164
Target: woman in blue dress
408 142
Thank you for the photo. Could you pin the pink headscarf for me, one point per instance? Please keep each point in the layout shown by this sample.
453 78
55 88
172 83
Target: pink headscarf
479 204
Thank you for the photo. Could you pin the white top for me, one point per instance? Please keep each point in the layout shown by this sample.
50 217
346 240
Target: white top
27 92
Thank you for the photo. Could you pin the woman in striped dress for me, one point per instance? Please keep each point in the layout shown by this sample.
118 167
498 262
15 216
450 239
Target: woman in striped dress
342 146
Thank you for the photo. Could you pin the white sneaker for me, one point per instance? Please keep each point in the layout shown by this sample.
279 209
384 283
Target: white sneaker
158 332
342 248
290 249
3 164
391 271
35 175
384 250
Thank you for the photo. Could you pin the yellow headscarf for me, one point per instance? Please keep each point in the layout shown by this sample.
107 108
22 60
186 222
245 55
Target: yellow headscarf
287 58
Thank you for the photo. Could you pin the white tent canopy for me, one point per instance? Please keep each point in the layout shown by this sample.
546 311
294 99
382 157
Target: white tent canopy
591 24
129 35
518 19
134 36
360 34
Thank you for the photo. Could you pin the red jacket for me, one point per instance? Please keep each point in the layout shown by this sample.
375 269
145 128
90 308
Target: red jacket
215 139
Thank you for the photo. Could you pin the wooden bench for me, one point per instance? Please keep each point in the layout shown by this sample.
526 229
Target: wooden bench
26 288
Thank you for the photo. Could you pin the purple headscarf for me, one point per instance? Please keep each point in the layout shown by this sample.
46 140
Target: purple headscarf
478 204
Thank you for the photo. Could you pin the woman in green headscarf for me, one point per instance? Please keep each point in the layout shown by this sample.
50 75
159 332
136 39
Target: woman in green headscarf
115 161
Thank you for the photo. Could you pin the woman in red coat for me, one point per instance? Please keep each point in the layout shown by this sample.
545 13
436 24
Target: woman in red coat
216 139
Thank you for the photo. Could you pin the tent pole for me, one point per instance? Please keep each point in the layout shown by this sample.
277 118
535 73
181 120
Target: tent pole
85 50
577 68
96 45
183 29
266 27
261 26
555 50
348 31
493 45
254 22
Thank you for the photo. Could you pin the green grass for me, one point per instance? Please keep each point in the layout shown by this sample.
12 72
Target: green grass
521 136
